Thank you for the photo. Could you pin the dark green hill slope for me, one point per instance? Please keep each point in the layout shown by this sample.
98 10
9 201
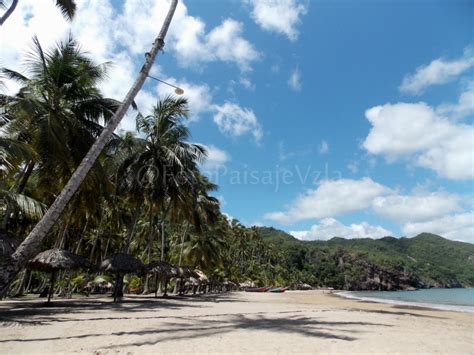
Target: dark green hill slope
426 260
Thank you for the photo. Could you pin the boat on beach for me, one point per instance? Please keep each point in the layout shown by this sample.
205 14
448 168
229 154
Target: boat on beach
278 289
257 289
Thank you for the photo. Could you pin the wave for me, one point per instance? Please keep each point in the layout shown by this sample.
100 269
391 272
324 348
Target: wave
437 306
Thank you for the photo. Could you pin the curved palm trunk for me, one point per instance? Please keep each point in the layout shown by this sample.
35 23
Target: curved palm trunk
29 247
8 12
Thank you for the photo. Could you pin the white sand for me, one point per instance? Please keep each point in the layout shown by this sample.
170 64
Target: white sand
293 322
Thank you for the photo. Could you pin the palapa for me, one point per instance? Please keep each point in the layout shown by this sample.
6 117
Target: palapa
121 264
201 276
57 259
53 260
164 271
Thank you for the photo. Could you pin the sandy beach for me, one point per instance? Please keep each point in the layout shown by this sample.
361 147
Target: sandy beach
239 322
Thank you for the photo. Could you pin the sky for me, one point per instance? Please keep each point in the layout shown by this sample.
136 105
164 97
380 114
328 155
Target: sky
321 118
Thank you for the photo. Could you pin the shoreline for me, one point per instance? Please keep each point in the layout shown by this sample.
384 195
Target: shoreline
422 305
234 322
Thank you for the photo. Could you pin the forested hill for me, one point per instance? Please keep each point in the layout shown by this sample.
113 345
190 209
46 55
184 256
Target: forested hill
426 260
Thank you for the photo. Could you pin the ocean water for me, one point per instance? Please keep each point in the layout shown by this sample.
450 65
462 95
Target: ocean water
456 299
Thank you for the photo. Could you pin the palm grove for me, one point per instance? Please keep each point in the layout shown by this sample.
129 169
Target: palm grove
145 195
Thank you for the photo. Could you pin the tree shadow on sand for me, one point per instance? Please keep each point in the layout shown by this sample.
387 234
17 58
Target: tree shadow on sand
191 327
36 313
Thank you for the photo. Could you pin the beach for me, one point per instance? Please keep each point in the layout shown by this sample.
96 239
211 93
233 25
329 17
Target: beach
237 322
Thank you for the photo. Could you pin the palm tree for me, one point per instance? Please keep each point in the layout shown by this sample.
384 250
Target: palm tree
163 170
67 8
30 245
56 115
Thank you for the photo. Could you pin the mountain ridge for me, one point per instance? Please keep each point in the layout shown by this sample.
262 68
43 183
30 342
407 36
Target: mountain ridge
389 263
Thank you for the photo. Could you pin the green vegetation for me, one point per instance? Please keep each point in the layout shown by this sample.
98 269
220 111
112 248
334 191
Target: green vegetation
147 197
426 260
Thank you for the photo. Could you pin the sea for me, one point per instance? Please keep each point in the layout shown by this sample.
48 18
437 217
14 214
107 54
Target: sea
452 299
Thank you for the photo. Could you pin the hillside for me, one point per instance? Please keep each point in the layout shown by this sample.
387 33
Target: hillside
426 260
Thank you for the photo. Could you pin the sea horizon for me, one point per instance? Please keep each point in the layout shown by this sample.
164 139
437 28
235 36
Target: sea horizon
447 299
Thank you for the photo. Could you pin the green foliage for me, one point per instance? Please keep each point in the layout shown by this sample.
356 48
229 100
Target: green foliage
429 260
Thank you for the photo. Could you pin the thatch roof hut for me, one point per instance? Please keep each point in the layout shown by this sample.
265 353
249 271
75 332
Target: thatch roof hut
121 264
203 279
53 260
57 259
186 272
163 269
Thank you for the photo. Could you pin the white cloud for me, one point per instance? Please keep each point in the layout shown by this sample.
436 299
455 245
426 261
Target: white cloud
237 121
216 158
439 71
353 167
323 147
328 228
418 207
416 131
464 107
456 227
187 35
280 16
198 95
247 83
295 80
331 198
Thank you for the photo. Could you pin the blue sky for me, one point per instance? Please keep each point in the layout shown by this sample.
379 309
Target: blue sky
322 118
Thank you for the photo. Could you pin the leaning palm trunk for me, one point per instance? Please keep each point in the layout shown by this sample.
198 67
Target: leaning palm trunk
30 246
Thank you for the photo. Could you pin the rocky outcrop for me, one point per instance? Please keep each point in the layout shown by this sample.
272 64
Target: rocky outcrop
361 274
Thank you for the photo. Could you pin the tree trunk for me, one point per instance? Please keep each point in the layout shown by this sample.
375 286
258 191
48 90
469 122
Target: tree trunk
131 230
78 246
182 244
8 12
29 247
51 286
181 253
149 251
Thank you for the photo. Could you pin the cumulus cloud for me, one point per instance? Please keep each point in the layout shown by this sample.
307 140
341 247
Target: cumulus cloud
456 227
237 121
331 198
323 147
417 207
439 71
187 37
280 16
294 82
328 228
418 132
198 95
464 107
216 158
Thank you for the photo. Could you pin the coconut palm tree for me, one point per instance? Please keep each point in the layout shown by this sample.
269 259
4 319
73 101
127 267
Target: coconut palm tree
30 245
56 115
164 169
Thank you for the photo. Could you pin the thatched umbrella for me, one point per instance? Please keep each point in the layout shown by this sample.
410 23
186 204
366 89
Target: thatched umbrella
185 272
121 264
53 260
201 276
163 270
